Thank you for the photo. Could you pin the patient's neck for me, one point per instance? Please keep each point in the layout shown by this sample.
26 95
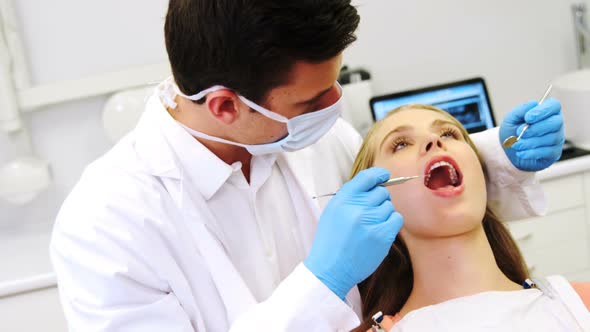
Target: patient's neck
452 267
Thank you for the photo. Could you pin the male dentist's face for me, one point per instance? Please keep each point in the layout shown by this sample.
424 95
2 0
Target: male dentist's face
451 199
311 87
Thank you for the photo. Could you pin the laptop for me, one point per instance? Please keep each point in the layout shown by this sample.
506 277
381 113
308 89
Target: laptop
466 100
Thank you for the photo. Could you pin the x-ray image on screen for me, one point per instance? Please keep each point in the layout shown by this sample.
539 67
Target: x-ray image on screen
466 100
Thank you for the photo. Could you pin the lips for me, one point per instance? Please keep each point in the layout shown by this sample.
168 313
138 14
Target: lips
443 177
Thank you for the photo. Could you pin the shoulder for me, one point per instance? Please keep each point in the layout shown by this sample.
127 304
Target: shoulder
114 198
583 291
113 180
342 141
389 322
347 135
575 295
114 228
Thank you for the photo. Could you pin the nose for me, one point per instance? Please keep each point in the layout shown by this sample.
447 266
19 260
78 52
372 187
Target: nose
432 143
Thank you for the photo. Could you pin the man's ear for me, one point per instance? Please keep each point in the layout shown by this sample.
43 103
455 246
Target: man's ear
224 105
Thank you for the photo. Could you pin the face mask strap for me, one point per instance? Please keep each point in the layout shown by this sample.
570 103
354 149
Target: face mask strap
168 89
166 94
209 137
199 95
258 108
262 148
268 113
280 118
251 104
264 111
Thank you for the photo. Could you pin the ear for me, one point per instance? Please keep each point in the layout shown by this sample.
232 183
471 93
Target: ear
224 105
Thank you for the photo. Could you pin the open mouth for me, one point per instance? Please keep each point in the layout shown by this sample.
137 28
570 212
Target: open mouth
442 173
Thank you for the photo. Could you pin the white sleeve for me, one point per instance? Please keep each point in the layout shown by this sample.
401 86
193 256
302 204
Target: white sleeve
300 303
512 194
113 269
106 285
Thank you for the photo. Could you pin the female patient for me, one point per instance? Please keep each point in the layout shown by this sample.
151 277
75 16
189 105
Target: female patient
453 266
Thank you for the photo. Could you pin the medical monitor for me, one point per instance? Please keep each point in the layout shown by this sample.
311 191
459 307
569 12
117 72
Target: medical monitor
466 100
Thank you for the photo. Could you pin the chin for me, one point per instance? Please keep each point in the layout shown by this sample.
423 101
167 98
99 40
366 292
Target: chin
444 220
466 207
467 218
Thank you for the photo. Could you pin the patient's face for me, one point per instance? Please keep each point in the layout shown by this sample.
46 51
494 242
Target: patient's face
451 198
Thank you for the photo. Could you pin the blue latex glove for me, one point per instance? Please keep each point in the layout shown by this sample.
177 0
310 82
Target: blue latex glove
355 232
540 146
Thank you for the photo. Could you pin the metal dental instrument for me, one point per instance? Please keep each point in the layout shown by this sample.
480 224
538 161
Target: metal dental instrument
377 319
508 142
399 180
387 183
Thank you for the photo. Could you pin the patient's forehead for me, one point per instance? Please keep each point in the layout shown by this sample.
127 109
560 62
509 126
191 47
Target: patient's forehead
412 117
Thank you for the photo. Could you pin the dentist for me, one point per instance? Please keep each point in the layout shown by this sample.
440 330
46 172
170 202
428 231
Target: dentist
202 219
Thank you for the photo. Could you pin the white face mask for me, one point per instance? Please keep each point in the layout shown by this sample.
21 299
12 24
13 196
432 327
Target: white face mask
303 130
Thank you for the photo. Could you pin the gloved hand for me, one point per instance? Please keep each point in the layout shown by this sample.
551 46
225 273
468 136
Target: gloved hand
540 146
355 232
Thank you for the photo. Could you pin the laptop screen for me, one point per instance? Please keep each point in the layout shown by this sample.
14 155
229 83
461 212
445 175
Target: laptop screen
466 100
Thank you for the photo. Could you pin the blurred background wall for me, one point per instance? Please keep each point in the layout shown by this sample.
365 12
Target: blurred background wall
518 46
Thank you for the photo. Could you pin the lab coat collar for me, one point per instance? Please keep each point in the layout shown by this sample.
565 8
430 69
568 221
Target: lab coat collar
301 164
150 145
170 151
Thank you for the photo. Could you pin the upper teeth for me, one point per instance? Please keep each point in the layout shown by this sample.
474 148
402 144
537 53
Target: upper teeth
452 171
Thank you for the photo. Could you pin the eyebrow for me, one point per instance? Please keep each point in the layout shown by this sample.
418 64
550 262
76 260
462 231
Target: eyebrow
313 99
436 123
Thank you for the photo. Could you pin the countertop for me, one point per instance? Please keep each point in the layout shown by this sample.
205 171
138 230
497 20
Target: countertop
25 263
565 167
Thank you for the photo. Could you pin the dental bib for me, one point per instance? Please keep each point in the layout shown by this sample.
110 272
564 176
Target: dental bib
517 311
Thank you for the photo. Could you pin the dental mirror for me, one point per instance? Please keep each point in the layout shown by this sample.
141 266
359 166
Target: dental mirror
508 142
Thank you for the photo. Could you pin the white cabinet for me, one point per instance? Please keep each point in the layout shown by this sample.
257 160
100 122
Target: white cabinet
30 312
558 243
29 301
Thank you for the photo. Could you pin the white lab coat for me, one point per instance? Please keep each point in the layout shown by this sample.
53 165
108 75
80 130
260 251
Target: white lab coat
135 248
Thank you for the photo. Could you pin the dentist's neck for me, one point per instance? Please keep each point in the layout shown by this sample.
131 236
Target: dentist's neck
190 115
453 267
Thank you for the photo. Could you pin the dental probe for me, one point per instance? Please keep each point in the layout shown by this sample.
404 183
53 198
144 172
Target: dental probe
387 183
508 142
377 319
399 180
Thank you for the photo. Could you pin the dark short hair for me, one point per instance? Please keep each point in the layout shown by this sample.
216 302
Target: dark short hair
250 46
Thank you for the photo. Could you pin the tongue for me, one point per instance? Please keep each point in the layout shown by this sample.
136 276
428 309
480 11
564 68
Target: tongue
440 179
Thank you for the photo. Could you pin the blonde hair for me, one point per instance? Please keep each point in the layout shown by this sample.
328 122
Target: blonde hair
388 288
